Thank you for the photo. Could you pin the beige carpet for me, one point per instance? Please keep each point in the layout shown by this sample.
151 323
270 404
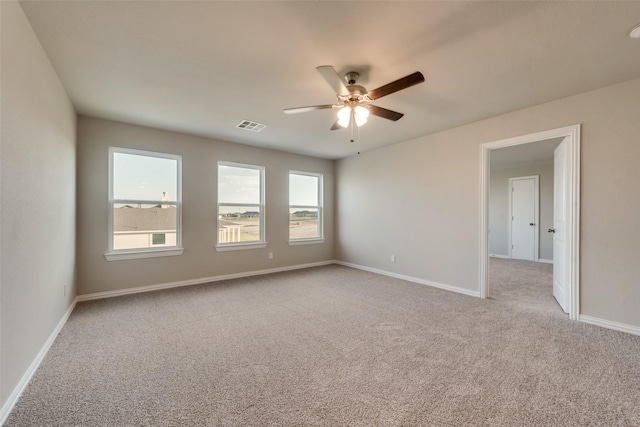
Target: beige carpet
335 346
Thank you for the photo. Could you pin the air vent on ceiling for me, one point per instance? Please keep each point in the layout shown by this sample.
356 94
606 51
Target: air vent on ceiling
251 126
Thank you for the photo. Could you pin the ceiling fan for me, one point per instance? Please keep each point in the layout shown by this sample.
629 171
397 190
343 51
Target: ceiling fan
354 101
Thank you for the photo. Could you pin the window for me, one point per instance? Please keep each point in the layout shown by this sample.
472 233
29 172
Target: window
144 204
240 206
305 208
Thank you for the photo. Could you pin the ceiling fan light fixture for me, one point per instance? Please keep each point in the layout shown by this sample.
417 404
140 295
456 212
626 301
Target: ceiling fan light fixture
361 115
344 116
635 33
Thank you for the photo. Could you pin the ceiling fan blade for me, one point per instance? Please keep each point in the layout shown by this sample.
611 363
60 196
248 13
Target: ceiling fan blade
336 126
384 113
334 80
307 109
395 86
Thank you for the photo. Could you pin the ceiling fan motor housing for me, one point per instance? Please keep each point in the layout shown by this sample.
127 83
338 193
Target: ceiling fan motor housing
357 93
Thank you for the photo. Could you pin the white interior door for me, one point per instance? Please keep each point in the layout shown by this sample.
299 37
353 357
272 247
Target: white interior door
561 208
524 218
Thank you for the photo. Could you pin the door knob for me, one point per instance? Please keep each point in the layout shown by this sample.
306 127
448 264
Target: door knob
551 230
531 223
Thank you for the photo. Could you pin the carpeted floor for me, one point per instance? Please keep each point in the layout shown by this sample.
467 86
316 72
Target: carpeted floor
335 346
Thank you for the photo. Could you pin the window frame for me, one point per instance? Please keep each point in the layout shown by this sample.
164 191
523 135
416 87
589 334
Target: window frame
319 207
152 251
234 246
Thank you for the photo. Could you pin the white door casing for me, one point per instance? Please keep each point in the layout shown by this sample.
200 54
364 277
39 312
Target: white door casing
524 217
572 134
561 209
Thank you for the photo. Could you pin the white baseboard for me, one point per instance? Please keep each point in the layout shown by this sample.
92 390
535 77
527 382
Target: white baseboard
412 279
151 288
622 327
22 384
545 261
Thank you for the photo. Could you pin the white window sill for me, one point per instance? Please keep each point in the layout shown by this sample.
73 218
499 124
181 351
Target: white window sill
240 246
118 256
305 242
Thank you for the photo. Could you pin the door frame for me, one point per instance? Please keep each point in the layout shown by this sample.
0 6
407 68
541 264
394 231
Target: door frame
536 219
572 133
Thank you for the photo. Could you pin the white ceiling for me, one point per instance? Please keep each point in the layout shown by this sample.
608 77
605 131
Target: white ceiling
203 67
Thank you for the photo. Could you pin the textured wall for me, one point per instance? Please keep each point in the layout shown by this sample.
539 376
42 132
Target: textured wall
199 189
37 198
421 199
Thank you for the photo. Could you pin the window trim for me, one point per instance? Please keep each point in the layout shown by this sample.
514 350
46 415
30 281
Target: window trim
235 246
153 251
319 207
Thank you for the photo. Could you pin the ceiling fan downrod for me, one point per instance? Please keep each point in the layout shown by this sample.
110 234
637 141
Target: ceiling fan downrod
351 77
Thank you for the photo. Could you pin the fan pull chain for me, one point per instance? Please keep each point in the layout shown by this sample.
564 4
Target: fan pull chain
352 124
352 133
355 130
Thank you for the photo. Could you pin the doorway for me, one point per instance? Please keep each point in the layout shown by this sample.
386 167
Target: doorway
567 259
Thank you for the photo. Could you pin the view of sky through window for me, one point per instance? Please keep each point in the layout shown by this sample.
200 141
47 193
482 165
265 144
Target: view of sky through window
238 185
138 177
303 190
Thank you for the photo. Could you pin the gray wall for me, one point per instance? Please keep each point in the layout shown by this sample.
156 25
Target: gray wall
37 199
421 199
499 206
199 185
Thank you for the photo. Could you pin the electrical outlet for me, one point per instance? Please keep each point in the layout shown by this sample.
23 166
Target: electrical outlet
393 258
270 255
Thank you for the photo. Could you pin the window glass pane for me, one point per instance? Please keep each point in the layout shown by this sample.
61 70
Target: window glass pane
139 177
303 223
303 190
136 226
238 185
239 224
159 238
